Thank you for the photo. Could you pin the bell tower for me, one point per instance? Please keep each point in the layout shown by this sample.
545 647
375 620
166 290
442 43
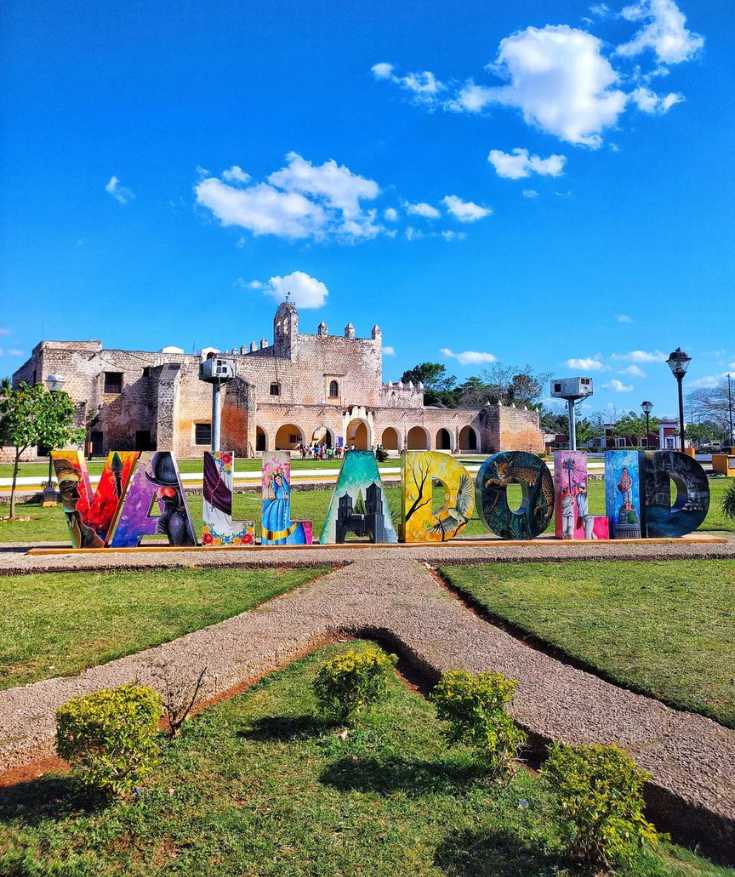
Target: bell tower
286 330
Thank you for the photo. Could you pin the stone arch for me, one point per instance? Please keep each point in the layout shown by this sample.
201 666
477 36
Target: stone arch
261 439
358 434
468 439
323 435
417 439
389 439
443 440
288 437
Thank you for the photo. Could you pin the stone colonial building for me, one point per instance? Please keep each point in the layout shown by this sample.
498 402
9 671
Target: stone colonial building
299 388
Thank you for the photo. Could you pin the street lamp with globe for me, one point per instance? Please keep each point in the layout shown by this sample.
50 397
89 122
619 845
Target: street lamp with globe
678 362
647 408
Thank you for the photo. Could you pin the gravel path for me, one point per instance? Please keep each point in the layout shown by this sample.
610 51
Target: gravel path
691 758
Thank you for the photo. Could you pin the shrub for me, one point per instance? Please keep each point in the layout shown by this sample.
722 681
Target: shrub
109 737
381 454
474 706
728 502
352 681
597 792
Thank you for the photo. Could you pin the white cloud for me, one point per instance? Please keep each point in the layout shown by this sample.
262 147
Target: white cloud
465 211
529 193
519 164
303 290
451 235
664 31
589 363
241 283
468 357
421 209
12 351
623 318
558 78
708 383
600 10
235 174
301 200
389 351
390 214
618 386
641 356
202 171
635 371
422 84
118 192
649 102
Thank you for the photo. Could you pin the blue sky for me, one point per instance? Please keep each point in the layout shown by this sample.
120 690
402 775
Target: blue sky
536 182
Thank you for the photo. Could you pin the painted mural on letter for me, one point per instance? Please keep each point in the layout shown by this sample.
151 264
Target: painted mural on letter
219 528
418 521
623 494
692 494
358 503
537 487
277 528
573 517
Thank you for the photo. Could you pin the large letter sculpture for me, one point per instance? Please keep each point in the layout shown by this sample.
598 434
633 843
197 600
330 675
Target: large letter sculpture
573 517
692 494
418 521
90 514
623 494
156 478
358 503
277 528
219 528
537 488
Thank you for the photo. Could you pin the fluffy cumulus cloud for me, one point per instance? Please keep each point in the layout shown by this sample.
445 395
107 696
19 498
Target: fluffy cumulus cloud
119 192
586 363
302 289
465 211
649 102
623 318
422 85
641 356
301 200
468 357
635 371
235 174
390 214
388 350
663 30
421 209
529 193
519 163
617 386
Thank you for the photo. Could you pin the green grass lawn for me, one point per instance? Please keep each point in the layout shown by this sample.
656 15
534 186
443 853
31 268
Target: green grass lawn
49 524
59 624
259 785
666 628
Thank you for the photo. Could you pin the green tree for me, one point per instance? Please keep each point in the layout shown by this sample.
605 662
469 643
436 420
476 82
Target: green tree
439 387
703 433
34 416
633 425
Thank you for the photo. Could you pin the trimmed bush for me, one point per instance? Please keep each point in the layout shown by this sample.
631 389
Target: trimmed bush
474 705
352 681
109 737
598 794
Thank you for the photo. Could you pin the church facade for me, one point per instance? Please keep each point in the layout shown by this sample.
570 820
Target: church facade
299 388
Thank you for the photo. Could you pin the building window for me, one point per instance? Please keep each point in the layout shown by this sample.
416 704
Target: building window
333 390
113 382
202 433
275 389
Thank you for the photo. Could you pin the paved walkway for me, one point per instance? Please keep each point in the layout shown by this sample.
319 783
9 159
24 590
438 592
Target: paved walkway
691 758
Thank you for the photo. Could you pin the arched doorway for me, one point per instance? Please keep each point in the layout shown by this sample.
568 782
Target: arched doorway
389 439
467 439
322 436
443 440
417 439
357 435
261 440
288 437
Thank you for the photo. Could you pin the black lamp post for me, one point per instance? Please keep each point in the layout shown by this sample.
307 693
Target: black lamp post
678 362
647 408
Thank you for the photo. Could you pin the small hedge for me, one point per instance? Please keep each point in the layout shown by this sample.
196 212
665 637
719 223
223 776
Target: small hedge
474 708
109 737
352 681
598 795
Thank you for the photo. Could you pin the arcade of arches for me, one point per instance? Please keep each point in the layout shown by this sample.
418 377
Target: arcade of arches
290 436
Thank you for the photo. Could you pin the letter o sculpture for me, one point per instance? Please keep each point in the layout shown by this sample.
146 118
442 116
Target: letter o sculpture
537 505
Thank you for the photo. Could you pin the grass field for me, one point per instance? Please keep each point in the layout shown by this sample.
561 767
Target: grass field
49 524
60 624
666 628
259 785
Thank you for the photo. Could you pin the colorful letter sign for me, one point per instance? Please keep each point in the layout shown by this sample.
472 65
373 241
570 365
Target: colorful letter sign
219 528
156 479
623 494
277 528
572 511
537 487
692 493
358 504
418 521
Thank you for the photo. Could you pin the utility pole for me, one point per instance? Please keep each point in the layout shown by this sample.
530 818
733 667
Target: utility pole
729 408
